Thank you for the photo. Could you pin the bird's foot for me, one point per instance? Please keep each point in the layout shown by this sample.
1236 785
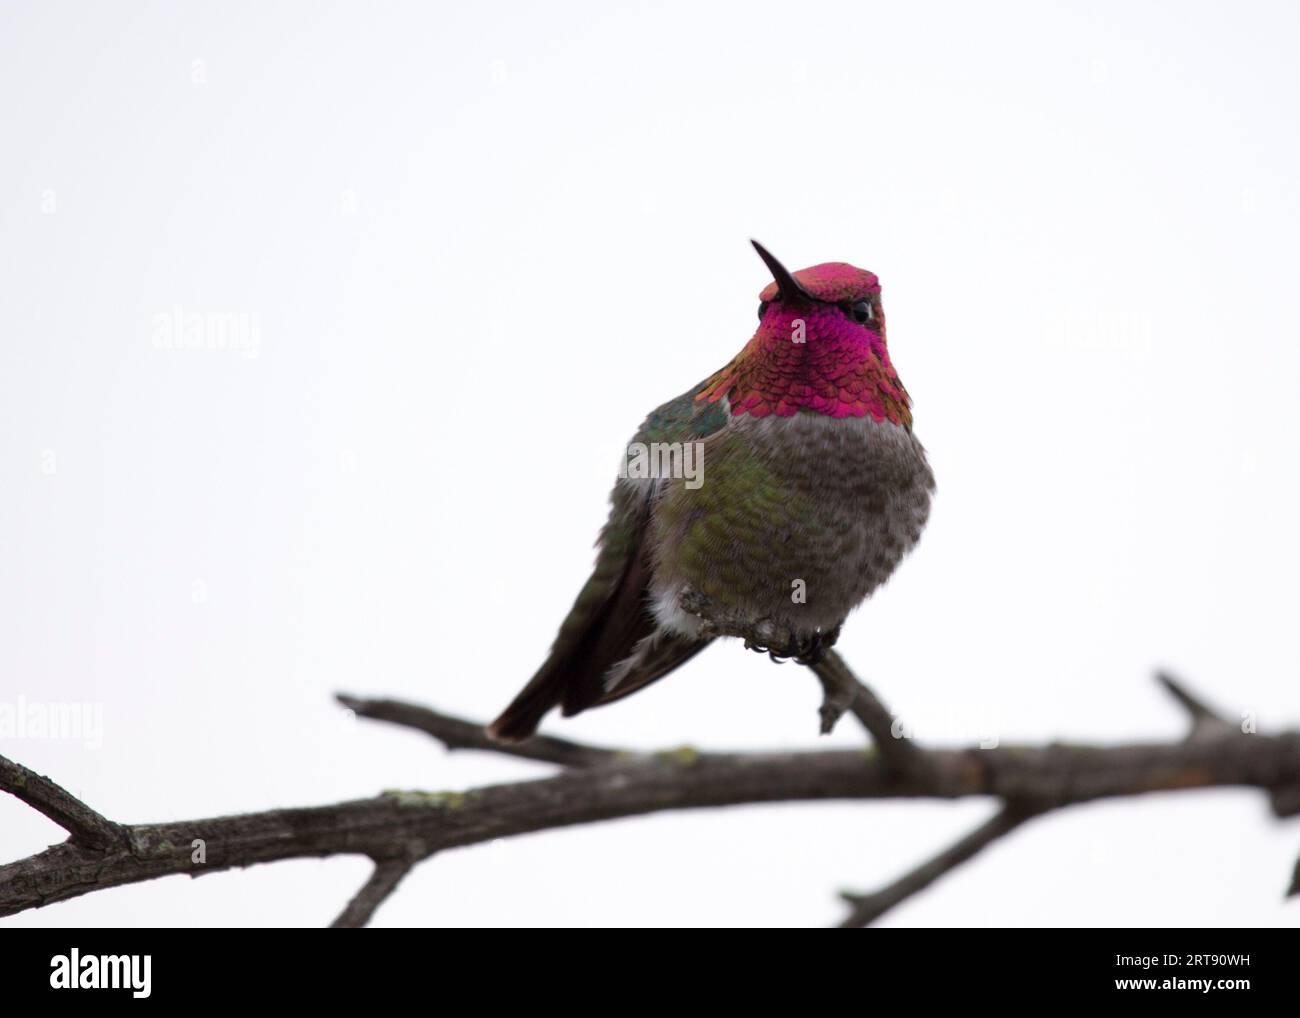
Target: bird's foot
804 649
811 649
758 648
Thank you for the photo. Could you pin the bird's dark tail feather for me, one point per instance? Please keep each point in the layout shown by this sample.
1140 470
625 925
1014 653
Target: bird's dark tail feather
520 720
575 686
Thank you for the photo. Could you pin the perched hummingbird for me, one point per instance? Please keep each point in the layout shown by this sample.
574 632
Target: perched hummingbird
812 489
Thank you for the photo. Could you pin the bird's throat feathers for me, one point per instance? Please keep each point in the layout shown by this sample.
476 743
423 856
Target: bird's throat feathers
813 357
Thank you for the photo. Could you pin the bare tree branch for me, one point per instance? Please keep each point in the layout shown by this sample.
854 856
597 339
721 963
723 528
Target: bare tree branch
841 689
456 733
83 824
1205 719
1209 723
867 908
1285 801
844 688
414 825
388 873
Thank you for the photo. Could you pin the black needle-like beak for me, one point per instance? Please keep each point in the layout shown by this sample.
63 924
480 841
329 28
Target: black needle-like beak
786 284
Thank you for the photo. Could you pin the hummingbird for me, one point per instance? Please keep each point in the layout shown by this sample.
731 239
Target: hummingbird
807 489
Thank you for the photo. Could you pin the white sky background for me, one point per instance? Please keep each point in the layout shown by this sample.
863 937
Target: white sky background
481 244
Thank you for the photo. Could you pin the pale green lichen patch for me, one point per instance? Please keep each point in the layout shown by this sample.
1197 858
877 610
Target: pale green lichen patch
436 800
682 756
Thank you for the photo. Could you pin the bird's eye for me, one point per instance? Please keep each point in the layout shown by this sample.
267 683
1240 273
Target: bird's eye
861 311
761 309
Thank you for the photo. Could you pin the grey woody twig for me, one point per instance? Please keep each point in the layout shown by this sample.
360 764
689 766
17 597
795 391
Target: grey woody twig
1210 723
867 908
387 874
455 733
841 690
83 824
1205 719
